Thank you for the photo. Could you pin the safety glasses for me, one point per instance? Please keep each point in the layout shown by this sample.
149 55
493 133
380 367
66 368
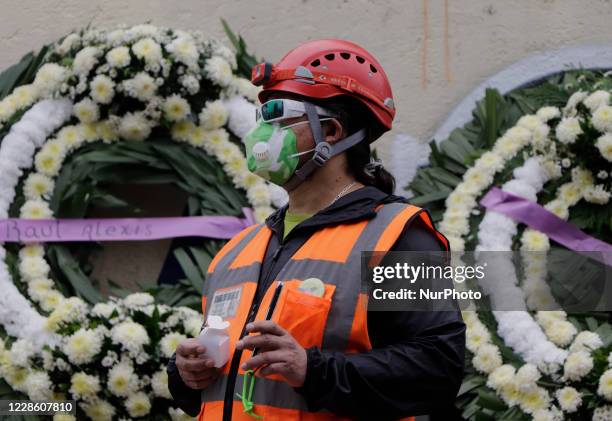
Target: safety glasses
280 109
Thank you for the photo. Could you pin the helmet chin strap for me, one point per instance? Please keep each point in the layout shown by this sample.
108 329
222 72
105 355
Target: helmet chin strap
323 150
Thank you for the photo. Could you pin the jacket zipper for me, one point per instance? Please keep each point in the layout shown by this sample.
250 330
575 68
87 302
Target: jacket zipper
233 372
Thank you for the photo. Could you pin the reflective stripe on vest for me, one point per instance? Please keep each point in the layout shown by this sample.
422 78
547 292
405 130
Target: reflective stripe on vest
334 322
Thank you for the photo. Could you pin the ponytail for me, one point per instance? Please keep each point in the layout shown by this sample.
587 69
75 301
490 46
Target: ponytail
361 164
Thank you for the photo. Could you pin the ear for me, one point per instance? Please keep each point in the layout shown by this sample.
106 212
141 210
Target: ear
333 130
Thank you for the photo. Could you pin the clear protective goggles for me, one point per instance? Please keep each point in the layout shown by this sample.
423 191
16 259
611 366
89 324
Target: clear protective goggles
280 109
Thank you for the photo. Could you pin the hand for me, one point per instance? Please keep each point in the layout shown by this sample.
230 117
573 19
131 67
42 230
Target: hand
278 351
196 372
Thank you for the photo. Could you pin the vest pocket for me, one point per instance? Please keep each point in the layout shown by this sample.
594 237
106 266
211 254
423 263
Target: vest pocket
304 315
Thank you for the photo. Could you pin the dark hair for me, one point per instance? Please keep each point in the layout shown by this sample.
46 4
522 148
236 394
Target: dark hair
353 116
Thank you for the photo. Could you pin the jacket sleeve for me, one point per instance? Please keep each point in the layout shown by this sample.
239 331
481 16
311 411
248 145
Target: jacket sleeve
414 368
186 398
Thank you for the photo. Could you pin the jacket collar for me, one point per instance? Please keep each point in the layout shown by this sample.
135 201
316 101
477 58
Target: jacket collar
356 205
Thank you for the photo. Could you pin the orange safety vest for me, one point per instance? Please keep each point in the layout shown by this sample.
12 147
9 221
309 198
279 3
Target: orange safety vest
337 321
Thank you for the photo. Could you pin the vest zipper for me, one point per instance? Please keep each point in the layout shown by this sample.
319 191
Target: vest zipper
228 400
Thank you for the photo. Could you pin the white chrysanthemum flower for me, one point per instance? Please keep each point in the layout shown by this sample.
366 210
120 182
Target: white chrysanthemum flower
487 358
131 335
534 399
16 377
51 300
37 186
147 50
84 386
142 86
219 70
214 115
533 240
50 77
106 131
183 130
528 374
38 385
605 385
176 108
568 130
24 95
561 332
193 326
138 404
134 126
602 175
138 299
553 414
597 99
183 49
597 194
48 163
86 111
159 384
169 343
577 365
245 88
558 207
477 336
602 119
70 137
85 60
32 250
21 352
33 267
177 414
102 89
582 177
604 144
82 346
548 113
574 100
259 195
63 417
121 380
99 410
501 376
118 57
35 209
569 399
67 43
529 122
490 162
262 212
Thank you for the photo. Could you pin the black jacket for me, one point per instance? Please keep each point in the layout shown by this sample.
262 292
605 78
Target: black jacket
416 364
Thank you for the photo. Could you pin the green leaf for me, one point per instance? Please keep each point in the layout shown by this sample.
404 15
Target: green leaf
190 269
79 281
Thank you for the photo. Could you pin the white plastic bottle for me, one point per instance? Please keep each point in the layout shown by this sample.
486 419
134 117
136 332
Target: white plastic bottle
215 339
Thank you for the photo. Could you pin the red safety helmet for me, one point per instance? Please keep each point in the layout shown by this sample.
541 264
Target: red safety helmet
328 68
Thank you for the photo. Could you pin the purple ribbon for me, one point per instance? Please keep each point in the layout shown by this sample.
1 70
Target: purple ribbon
541 219
122 229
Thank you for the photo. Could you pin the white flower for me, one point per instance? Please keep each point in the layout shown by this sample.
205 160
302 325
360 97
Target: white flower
527 374
138 299
138 404
604 144
193 326
121 380
38 185
159 384
85 60
561 332
177 414
487 358
35 209
602 118
603 413
148 50
87 111
134 126
169 343
38 385
574 100
568 130
548 113
597 194
67 43
118 57
50 77
102 89
21 352
597 99
219 70
569 399
501 376
84 386
176 108
529 122
577 365
605 385
131 335
70 137
534 399
214 115
24 95
99 410
142 86
476 337
184 50
553 414
82 346
558 207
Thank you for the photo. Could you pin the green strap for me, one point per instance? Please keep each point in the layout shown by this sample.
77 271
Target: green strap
248 384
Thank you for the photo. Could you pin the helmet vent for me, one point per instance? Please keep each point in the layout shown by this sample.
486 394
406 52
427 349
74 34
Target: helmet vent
330 57
315 63
345 56
373 69
360 59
